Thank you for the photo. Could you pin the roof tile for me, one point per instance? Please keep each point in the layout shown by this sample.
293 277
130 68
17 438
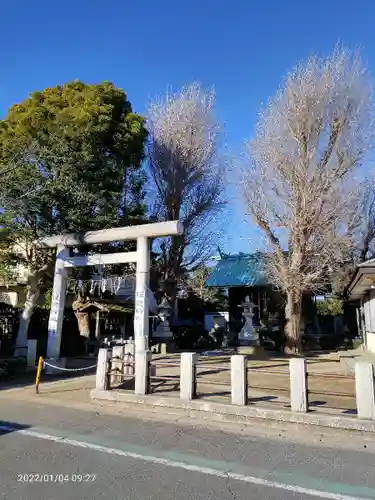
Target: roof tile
239 270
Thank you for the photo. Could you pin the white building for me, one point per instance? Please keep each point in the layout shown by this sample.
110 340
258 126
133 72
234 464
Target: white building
362 290
13 292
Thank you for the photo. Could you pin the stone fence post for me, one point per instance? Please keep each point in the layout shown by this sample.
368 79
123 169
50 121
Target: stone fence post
188 379
364 388
238 378
118 353
142 372
129 358
298 385
102 369
31 352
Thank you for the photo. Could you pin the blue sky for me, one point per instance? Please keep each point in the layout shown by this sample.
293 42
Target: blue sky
241 47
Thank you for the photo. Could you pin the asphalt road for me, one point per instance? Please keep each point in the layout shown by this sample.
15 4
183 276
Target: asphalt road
47 452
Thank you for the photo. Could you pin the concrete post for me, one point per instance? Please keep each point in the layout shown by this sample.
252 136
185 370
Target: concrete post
56 315
102 369
129 357
238 378
142 372
298 386
188 380
117 352
364 388
31 352
141 312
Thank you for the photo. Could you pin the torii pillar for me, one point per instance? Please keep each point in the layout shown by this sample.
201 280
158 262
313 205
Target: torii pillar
141 307
56 314
142 234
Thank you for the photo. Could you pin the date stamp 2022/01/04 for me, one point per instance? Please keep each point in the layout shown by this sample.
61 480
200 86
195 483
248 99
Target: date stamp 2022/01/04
55 478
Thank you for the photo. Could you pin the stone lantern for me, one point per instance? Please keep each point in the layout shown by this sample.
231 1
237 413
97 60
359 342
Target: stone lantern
163 331
248 336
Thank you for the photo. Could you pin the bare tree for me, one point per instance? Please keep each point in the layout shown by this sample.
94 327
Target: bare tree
300 178
187 175
366 229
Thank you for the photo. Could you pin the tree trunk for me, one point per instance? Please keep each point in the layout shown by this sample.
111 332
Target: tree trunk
293 307
173 270
32 296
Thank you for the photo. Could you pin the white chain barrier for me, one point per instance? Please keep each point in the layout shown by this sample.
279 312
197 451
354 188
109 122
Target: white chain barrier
45 363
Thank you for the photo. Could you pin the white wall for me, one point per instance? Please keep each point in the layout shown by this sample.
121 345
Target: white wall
21 272
370 339
369 313
8 297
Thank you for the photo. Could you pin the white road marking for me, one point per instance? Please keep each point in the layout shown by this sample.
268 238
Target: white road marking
181 465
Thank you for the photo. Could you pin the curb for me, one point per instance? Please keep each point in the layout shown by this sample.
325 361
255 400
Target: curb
220 411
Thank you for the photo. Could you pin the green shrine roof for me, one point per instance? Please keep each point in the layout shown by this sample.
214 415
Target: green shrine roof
239 270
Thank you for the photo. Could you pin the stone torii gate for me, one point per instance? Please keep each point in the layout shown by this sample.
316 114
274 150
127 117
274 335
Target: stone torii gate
141 256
